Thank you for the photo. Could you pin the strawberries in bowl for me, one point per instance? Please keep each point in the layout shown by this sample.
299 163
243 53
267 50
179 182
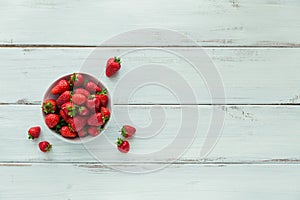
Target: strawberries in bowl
76 107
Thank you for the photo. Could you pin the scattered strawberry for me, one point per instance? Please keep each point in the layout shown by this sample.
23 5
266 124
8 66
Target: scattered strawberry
65 131
93 104
45 146
123 145
52 120
34 132
128 131
105 113
92 87
63 98
60 87
93 130
77 123
83 111
95 120
49 106
78 99
76 79
82 91
112 66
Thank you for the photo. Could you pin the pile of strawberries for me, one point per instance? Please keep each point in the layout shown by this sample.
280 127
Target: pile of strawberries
79 109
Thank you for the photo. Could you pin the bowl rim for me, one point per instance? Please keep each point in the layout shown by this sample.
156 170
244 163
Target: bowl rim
77 140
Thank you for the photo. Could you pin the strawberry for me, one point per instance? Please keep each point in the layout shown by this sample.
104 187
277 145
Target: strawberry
52 120
83 111
103 99
105 113
95 120
82 133
93 130
112 66
69 109
60 87
123 145
128 131
82 91
76 79
49 106
45 146
93 104
65 131
78 99
77 123
63 115
34 132
92 87
63 98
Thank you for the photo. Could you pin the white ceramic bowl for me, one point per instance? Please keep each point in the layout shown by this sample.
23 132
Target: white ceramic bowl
49 95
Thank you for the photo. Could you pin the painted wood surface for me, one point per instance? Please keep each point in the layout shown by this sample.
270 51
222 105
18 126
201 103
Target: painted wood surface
209 23
251 134
176 182
250 76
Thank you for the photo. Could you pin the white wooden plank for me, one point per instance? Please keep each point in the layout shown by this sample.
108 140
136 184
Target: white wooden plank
216 23
176 182
250 76
251 134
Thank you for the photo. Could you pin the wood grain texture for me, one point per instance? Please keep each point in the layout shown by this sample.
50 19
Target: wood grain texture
250 76
251 134
187 182
209 23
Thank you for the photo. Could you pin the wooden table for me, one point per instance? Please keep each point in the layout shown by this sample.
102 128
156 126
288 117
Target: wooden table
253 44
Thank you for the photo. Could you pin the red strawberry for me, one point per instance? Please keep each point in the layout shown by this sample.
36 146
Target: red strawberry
60 87
65 131
63 115
95 120
123 145
76 79
77 123
112 66
128 131
34 132
45 146
69 109
78 99
103 99
82 91
93 130
63 98
83 111
82 133
49 106
105 113
92 87
93 104
52 120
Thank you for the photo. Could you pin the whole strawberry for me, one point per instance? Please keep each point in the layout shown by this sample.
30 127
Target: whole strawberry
128 131
49 106
76 79
123 145
60 87
82 91
93 130
65 131
102 98
83 111
68 109
95 120
63 98
52 120
78 99
105 113
92 87
112 66
93 104
34 132
45 146
77 123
